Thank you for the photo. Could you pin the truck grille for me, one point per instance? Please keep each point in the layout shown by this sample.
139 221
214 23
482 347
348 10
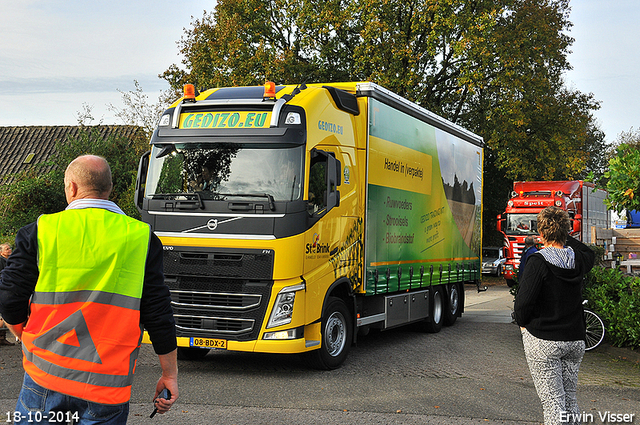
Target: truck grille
249 264
219 325
219 294
215 300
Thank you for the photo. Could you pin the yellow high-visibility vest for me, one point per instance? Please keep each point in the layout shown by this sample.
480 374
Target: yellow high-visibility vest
83 333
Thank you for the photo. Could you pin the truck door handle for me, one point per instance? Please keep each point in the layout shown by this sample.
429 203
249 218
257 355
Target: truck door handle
235 206
187 205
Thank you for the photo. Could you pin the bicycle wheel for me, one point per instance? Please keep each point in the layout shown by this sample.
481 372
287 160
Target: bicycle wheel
595 330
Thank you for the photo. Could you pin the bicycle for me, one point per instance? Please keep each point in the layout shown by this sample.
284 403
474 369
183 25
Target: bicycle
595 329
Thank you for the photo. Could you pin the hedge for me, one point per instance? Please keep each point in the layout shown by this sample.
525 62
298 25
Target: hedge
615 297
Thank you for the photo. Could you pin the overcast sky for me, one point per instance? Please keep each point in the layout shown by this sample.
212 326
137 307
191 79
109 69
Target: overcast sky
57 55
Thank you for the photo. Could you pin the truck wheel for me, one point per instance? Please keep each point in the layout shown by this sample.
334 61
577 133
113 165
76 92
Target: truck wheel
452 310
436 311
189 353
336 336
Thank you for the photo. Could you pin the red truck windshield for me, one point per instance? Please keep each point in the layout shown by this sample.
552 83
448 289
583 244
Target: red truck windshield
522 224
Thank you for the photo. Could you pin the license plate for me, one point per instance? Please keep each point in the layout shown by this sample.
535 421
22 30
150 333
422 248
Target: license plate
220 344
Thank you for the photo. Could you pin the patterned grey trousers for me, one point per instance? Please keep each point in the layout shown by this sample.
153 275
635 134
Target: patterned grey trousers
554 368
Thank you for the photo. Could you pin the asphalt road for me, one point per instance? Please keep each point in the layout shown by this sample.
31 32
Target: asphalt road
471 373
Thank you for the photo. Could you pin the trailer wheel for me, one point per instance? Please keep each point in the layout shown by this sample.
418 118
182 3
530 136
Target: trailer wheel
189 353
336 336
437 310
452 310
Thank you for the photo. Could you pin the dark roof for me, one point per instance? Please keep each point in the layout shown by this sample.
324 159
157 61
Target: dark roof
23 147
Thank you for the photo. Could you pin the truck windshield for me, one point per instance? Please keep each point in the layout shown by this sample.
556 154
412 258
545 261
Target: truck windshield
522 224
223 171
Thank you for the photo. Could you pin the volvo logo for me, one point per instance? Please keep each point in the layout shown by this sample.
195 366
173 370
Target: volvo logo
212 224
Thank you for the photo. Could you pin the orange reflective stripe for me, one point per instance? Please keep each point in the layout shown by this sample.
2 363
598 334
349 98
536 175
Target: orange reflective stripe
104 394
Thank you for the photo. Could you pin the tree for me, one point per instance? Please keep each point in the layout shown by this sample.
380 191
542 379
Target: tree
33 193
26 198
599 152
122 154
493 66
624 173
137 109
292 41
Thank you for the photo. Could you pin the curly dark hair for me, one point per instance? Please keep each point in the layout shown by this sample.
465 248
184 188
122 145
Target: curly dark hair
554 225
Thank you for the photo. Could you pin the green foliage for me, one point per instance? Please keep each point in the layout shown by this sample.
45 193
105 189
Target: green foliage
599 152
624 175
121 153
615 297
600 253
493 66
33 193
30 195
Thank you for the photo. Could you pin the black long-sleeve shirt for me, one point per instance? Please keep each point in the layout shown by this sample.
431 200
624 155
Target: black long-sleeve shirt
18 281
549 299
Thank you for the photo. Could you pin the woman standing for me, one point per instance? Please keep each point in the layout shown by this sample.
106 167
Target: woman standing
548 309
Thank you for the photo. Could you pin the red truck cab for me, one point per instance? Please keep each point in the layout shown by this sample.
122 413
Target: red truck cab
529 198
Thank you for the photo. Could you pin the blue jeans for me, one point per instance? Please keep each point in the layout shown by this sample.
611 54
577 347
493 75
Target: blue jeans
38 405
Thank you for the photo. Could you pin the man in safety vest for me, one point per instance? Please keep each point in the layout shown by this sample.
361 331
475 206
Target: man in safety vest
77 291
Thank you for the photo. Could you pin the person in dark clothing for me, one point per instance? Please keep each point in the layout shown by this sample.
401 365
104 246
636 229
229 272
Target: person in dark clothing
5 252
548 308
529 248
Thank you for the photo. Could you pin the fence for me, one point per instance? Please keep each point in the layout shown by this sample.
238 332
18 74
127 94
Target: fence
622 247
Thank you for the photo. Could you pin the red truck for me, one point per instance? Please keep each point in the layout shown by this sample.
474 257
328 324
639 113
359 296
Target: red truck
580 199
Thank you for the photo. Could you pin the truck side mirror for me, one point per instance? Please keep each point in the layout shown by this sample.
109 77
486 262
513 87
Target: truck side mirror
324 179
577 220
143 167
333 181
499 223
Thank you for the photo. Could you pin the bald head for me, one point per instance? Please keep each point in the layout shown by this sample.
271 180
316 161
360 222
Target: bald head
88 176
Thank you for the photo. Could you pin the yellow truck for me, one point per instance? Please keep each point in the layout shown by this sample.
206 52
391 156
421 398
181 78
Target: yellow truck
295 217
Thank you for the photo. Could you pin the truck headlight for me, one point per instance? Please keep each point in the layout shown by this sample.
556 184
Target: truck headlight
165 120
283 307
293 118
508 267
288 334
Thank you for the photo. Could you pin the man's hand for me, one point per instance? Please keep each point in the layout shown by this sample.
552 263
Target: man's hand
168 380
16 330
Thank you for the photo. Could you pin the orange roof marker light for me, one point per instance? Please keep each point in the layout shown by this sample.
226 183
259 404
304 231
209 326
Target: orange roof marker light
189 93
269 90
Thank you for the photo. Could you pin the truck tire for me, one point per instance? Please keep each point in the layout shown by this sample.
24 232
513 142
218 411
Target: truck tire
454 301
189 353
436 310
337 334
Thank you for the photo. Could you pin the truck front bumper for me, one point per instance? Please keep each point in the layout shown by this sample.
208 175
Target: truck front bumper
310 340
